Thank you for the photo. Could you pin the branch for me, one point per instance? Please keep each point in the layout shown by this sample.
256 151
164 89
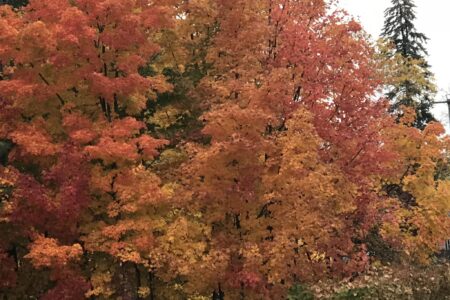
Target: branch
61 100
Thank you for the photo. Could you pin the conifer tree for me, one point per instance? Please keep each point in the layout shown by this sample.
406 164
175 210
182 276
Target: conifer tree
14 3
415 88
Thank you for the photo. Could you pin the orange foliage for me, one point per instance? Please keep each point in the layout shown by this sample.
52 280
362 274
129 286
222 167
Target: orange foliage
45 252
292 163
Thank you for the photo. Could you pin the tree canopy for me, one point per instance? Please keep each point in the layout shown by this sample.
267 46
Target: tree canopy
196 149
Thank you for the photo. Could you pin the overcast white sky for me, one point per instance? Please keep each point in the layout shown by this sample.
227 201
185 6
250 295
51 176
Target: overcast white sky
432 19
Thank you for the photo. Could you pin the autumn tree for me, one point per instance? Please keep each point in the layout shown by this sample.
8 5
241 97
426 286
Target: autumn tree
251 108
70 99
416 192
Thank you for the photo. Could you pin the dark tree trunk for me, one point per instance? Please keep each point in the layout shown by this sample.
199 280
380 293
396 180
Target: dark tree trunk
218 294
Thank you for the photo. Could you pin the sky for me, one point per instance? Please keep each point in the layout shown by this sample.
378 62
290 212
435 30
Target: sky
432 20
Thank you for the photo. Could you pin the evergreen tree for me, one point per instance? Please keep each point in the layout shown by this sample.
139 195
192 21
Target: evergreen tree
14 3
399 29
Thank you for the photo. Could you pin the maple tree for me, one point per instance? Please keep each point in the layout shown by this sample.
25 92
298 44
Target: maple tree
153 141
69 102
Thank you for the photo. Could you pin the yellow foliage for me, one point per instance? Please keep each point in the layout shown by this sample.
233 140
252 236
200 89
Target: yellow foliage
396 69
100 282
143 291
136 103
166 117
420 225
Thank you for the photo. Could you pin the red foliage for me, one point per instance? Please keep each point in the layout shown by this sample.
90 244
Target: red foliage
70 285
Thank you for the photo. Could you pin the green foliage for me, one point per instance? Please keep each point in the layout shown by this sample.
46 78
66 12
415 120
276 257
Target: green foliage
5 148
378 248
300 292
399 28
352 294
14 3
